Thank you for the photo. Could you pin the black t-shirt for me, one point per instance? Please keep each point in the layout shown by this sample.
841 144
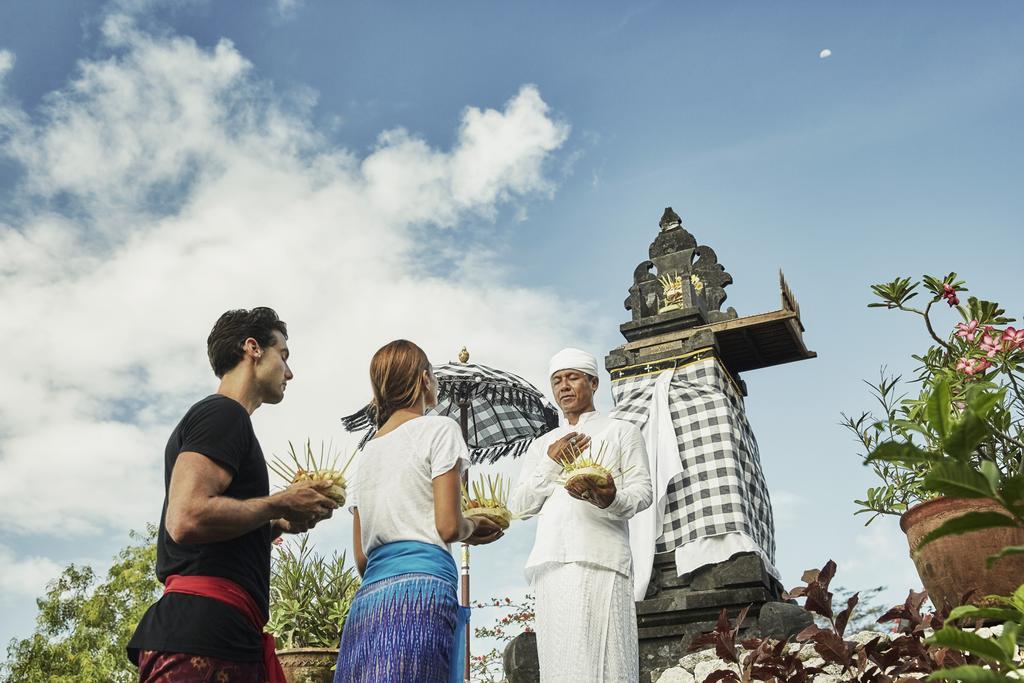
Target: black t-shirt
219 428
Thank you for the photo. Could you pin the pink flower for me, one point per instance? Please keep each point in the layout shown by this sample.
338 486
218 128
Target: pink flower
972 366
966 331
990 343
1013 337
949 294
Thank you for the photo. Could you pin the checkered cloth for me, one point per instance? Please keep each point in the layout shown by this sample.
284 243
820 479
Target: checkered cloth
506 413
722 487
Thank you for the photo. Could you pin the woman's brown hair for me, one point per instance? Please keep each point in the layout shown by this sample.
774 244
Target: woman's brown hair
395 375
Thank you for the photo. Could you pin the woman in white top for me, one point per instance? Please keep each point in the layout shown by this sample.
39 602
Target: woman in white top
406 506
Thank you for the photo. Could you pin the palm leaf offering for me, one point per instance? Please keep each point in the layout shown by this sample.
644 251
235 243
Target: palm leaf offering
582 463
489 499
313 467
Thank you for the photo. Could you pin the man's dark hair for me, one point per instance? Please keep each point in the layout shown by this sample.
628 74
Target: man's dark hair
224 345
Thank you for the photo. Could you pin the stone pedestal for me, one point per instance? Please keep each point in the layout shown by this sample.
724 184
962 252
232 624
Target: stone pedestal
678 609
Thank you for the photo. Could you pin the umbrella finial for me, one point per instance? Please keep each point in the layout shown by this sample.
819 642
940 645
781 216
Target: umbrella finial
463 355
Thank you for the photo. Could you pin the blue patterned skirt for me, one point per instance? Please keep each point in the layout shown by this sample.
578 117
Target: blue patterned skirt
405 624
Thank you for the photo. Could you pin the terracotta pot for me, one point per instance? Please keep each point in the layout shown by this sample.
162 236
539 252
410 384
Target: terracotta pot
953 566
308 664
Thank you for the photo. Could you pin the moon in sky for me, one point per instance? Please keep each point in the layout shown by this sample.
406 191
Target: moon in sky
825 53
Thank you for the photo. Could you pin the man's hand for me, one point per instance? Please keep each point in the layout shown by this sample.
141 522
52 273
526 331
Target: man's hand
304 504
568 447
283 526
486 531
586 490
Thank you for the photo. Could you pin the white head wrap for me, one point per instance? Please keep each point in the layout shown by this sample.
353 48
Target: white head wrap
573 359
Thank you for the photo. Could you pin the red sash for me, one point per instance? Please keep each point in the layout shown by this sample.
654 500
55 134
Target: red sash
230 593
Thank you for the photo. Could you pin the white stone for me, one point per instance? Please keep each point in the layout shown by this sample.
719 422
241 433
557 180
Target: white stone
865 637
694 658
803 652
676 675
705 669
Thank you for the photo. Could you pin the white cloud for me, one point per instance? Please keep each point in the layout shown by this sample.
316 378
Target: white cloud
786 507
879 556
25 577
6 62
166 184
825 54
287 8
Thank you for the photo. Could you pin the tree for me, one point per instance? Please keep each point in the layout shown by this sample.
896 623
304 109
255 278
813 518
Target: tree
82 628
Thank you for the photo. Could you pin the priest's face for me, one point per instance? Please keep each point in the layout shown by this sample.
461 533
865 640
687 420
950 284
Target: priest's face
573 391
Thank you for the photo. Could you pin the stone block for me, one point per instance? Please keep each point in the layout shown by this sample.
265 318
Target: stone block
675 675
782 620
520 659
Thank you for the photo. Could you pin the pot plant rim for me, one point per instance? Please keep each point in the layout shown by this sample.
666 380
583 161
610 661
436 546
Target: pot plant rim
931 506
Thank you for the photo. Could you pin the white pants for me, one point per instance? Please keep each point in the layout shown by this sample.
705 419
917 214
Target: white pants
586 625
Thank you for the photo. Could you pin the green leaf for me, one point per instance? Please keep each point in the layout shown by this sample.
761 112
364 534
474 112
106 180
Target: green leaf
972 612
970 674
892 451
1008 638
950 636
965 436
1017 599
940 405
980 401
909 426
958 480
991 473
970 521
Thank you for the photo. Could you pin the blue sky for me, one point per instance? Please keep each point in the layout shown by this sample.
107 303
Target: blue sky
161 162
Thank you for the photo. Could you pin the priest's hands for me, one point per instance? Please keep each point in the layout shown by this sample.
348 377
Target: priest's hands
568 447
586 490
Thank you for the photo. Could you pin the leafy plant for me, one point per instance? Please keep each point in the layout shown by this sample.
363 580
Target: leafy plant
879 660
83 625
967 418
310 596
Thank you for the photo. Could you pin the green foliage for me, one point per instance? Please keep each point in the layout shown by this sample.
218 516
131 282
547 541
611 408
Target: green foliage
962 434
515 617
310 596
83 627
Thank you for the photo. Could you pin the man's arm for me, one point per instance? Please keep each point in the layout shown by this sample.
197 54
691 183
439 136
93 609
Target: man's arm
633 491
198 512
536 482
539 476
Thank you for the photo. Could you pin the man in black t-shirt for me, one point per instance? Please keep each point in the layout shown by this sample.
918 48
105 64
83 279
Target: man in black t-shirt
218 519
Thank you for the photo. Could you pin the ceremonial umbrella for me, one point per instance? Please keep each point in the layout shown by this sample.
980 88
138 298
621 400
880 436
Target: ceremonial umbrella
500 415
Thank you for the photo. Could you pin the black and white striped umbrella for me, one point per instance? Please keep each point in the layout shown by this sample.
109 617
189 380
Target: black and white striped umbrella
503 412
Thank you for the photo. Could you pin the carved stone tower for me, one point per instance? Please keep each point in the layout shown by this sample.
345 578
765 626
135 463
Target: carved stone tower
678 376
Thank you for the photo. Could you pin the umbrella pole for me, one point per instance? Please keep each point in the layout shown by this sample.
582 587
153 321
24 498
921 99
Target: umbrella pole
464 572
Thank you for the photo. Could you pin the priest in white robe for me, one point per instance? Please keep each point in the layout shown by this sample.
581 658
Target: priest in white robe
580 567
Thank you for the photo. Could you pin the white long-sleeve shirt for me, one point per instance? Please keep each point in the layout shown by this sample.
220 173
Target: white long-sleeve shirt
571 530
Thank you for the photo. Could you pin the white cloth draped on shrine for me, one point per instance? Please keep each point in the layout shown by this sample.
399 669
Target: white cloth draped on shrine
715 504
